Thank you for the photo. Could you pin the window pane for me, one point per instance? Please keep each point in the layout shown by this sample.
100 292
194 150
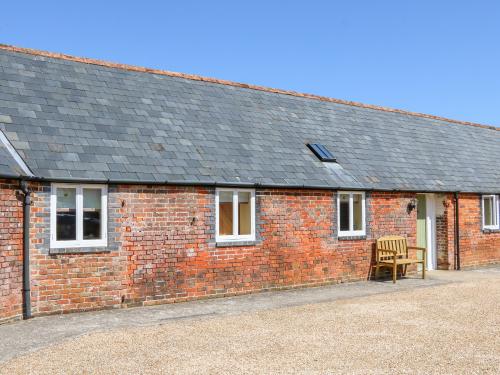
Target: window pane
226 213
344 212
91 214
244 214
488 211
357 201
66 214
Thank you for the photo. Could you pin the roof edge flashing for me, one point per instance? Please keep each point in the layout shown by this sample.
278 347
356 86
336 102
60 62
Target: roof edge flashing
15 155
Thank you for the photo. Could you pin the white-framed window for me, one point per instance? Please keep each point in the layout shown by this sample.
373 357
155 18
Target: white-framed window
490 209
234 214
78 215
351 216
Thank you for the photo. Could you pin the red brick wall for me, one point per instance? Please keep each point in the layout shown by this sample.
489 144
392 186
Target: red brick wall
445 231
168 235
11 226
476 247
162 246
70 282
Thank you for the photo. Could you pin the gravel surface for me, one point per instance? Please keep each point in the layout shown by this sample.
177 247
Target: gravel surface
448 329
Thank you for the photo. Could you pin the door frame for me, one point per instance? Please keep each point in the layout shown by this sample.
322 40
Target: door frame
430 216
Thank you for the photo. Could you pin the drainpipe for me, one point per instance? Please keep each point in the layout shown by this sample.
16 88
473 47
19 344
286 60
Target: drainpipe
457 233
23 185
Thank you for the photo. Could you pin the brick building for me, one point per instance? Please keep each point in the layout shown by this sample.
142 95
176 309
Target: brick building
125 186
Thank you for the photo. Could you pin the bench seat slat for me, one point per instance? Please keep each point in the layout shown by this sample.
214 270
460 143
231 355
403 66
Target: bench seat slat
402 261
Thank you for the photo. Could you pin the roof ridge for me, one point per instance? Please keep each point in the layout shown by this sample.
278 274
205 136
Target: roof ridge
195 77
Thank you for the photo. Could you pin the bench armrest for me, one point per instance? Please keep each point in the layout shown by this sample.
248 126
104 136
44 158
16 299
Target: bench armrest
423 249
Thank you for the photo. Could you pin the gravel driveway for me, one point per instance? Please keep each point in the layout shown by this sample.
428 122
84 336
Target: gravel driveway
445 329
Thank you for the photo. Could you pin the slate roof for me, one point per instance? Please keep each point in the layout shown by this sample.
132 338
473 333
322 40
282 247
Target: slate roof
71 120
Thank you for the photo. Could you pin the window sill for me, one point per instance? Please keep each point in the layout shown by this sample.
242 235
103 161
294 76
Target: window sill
487 230
235 243
352 238
78 250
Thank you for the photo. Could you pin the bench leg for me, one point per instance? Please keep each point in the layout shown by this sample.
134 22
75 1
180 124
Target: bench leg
394 271
423 270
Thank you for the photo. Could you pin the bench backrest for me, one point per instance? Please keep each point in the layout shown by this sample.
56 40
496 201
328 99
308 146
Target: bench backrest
397 243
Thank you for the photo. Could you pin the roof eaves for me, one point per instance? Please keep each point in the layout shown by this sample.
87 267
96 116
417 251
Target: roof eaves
345 187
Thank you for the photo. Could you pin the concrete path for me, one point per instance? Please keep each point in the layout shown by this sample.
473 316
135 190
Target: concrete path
26 336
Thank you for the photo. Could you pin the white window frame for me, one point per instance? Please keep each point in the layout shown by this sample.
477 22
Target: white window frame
79 242
496 210
351 232
235 237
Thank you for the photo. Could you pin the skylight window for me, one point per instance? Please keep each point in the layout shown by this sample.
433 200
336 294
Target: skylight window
321 152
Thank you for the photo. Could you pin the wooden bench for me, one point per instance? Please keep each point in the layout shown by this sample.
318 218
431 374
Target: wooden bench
393 251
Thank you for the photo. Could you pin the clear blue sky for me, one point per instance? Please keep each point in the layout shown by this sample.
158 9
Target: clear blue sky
437 57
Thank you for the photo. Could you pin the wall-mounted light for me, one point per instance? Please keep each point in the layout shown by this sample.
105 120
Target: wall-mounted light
411 205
